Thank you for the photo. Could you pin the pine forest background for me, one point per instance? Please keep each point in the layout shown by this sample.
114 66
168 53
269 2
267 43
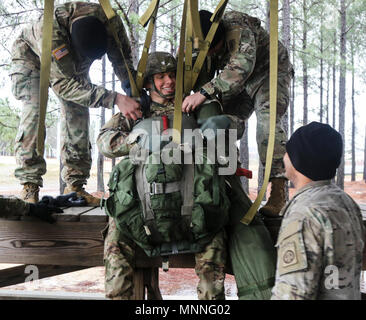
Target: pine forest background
326 43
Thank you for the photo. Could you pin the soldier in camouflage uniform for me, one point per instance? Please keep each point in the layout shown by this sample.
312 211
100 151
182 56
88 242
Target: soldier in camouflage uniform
81 34
113 141
240 50
321 239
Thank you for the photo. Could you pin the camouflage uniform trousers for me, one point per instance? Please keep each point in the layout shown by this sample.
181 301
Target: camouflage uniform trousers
243 107
75 150
119 256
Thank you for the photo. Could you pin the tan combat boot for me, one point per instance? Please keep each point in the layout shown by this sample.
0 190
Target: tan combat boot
80 192
30 192
277 198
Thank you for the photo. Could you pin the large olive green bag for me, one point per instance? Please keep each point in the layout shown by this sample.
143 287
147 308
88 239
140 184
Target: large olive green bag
149 206
251 249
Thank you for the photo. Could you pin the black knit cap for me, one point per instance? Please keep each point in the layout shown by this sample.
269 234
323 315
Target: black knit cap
89 37
315 150
205 17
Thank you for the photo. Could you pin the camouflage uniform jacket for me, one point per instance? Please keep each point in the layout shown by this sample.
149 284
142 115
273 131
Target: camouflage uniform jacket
112 142
320 246
69 72
245 59
12 206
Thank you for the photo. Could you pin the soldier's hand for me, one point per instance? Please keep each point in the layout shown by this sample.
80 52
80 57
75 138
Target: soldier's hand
128 106
192 102
43 211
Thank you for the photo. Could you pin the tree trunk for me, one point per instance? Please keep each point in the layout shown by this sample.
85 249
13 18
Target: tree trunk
364 159
154 39
342 90
174 39
304 64
328 84
286 40
267 15
334 79
134 32
244 157
100 161
321 67
292 99
353 170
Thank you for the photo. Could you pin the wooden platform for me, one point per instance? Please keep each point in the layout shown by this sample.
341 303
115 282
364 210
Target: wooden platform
74 243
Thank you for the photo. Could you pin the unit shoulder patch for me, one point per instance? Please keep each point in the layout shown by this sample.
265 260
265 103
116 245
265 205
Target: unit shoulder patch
291 249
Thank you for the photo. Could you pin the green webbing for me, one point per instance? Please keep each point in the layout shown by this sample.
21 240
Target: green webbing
188 50
177 120
149 15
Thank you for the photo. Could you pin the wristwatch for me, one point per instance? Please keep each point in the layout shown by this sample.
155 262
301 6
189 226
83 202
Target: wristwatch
204 93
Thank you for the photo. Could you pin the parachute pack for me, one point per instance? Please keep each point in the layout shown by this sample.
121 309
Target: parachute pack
167 208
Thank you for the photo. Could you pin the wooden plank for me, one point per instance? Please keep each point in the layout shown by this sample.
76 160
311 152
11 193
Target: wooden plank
72 213
95 215
15 275
48 295
61 243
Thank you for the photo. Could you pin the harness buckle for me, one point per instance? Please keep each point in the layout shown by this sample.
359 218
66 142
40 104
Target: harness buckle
156 188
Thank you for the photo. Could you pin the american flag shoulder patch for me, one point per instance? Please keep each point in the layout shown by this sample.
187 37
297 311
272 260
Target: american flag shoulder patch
60 52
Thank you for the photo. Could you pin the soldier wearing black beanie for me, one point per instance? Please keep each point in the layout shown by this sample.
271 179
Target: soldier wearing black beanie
315 150
322 225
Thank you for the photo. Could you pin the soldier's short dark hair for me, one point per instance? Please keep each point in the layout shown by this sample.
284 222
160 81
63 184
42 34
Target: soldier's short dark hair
206 25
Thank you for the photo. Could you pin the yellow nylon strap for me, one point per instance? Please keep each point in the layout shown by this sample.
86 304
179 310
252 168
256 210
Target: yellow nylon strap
45 72
144 19
196 25
110 14
149 15
177 120
273 69
216 17
188 49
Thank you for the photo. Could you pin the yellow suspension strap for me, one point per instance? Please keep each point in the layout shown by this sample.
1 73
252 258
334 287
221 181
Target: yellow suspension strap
191 22
215 19
45 72
194 38
148 17
273 69
177 120
110 14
